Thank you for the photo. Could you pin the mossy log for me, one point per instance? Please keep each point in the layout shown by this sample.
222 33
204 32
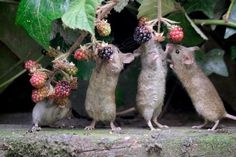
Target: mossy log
134 142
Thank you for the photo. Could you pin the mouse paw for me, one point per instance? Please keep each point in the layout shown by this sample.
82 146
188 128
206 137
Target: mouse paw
89 128
210 130
164 126
155 129
34 129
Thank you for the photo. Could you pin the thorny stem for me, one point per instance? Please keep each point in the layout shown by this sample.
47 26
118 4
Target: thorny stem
159 16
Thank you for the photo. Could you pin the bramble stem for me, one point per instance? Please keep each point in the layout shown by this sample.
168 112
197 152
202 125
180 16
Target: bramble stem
215 22
159 16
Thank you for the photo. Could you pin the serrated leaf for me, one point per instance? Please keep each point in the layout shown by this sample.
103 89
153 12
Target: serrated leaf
148 8
69 35
195 27
232 17
18 46
81 15
36 17
213 62
191 37
233 52
206 6
121 5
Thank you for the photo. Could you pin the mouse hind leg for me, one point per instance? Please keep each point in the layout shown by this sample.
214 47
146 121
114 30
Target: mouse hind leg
155 116
148 114
91 126
200 126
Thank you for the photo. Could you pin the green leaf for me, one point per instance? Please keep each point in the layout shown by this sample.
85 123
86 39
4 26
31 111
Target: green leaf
233 52
81 15
208 7
16 46
195 27
148 8
191 37
36 17
85 69
213 62
121 5
232 17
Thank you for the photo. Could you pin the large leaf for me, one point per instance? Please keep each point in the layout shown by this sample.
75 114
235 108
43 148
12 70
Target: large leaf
81 15
36 17
233 52
212 62
148 8
15 46
232 17
191 37
208 7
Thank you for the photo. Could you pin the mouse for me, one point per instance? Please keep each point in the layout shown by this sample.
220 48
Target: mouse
47 112
100 96
151 86
202 92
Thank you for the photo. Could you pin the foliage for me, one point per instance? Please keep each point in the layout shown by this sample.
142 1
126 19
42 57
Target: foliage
45 19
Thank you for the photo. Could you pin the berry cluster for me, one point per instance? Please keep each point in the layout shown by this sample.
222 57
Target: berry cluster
176 34
39 94
103 28
105 52
142 34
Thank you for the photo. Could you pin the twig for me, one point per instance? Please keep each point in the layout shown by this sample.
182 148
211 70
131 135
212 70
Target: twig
226 16
215 22
159 16
77 42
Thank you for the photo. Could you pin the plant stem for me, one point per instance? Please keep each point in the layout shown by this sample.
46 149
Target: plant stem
159 16
226 18
215 22
77 42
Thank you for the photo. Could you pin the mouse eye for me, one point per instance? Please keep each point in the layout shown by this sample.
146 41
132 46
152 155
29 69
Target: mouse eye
177 51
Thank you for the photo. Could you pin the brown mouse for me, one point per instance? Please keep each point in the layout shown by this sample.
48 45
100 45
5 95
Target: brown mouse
202 92
100 97
151 82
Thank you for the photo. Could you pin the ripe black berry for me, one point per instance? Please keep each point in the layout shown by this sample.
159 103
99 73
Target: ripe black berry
105 52
142 34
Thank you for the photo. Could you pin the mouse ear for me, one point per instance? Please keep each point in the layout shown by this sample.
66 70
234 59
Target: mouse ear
126 57
194 48
187 59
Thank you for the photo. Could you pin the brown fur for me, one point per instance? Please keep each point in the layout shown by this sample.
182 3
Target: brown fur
203 94
100 98
151 81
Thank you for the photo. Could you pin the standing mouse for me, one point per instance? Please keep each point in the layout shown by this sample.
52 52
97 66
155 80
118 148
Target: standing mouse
151 82
203 94
47 112
100 97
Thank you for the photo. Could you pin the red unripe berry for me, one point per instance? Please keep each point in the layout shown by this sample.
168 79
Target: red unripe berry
176 34
79 54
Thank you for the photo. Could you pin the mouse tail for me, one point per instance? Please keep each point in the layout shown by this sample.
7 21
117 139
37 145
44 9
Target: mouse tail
125 111
230 116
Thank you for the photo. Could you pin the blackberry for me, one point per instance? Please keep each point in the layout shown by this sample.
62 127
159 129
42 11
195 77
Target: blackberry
105 52
142 34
